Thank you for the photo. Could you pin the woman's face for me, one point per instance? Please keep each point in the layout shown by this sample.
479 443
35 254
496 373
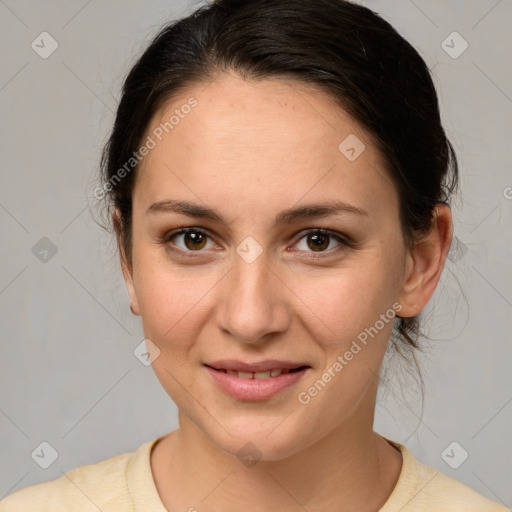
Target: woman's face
243 285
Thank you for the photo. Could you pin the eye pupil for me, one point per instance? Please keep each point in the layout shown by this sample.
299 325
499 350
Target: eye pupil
319 241
195 238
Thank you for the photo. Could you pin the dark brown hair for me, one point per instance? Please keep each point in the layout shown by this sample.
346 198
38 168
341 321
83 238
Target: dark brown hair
339 47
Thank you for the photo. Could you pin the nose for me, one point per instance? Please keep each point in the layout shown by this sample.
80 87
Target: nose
255 302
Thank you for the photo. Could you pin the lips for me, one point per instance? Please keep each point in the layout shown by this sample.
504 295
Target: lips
274 372
255 381
257 367
258 380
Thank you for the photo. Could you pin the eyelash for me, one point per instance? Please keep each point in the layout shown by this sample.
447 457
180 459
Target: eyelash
343 240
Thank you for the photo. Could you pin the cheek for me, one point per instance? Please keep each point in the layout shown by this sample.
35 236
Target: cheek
347 300
348 326
172 300
172 305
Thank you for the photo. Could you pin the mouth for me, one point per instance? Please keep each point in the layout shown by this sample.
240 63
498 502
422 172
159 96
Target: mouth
261 375
255 381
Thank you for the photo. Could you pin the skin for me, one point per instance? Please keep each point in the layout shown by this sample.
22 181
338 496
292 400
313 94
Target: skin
251 149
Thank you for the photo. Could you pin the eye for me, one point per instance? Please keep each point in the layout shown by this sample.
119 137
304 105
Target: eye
318 240
194 239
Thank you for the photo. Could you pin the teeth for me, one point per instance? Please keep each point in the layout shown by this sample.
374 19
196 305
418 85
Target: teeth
262 375
257 375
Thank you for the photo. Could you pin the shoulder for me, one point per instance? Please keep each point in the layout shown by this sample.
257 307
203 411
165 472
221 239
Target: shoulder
445 493
421 487
86 488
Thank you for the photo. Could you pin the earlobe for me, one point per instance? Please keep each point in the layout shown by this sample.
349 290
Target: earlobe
425 262
134 302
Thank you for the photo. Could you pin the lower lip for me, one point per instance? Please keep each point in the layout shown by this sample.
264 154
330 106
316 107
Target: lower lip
255 389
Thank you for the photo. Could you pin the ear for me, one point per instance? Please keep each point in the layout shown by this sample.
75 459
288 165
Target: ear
425 262
126 268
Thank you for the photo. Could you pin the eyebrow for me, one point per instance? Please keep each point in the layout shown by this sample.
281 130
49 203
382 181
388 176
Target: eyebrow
288 216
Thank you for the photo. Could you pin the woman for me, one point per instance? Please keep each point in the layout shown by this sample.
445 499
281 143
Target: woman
279 183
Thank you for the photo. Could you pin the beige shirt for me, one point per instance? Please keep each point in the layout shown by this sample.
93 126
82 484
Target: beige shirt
124 483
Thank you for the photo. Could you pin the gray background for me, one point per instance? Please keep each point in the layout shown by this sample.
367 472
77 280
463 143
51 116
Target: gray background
68 375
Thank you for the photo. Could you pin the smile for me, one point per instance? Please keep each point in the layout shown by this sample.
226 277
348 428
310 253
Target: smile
260 385
260 375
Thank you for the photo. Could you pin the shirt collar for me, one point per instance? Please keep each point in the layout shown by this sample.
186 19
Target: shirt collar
140 482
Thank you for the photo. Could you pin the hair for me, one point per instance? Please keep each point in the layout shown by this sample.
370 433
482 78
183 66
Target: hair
343 49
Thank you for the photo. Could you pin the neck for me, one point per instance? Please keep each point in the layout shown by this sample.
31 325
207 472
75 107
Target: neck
352 468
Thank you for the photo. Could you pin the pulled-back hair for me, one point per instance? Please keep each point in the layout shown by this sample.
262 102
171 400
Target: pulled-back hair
339 47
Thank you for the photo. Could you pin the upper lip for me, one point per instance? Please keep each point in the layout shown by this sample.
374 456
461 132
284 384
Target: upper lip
259 366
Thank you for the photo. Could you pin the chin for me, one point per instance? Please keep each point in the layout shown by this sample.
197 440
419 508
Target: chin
255 440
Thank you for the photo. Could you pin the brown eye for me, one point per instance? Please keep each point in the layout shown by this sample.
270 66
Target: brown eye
319 241
194 240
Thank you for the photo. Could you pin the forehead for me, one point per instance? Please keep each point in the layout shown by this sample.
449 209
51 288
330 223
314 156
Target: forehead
262 144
